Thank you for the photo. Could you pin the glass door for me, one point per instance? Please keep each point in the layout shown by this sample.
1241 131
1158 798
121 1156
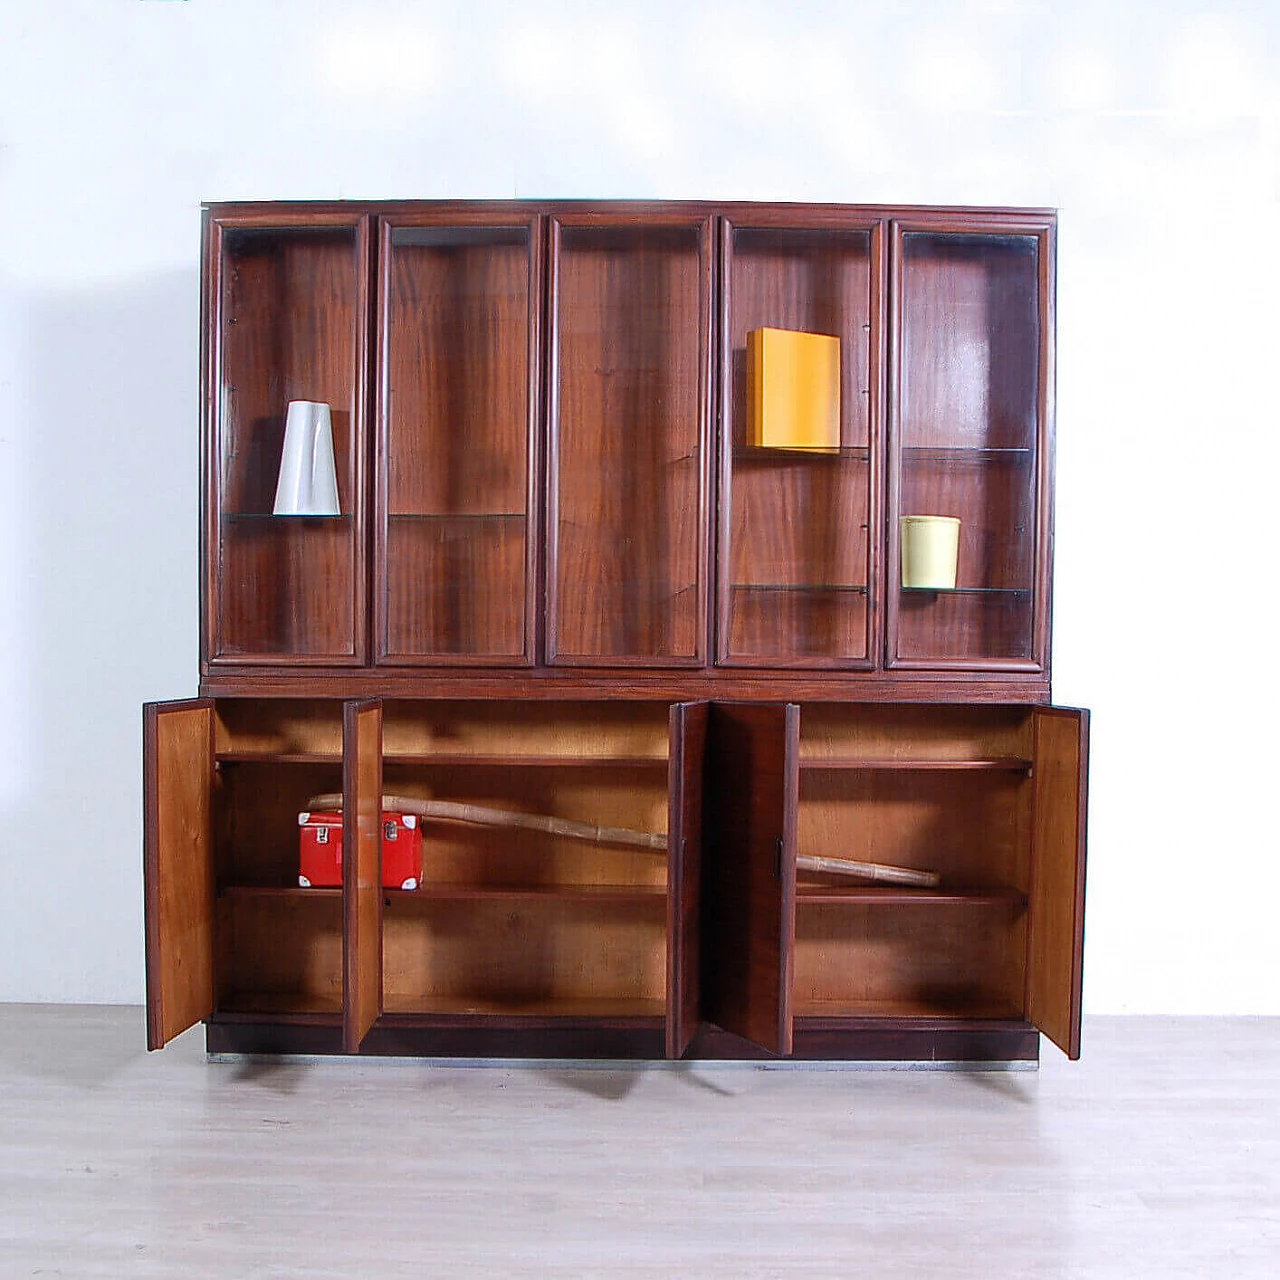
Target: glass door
629 420
800 404
286 368
970 429
454 546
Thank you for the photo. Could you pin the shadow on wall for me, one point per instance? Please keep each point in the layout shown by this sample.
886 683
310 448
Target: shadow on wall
106 608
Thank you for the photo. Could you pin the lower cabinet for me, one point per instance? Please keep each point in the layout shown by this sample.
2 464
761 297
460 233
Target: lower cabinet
663 913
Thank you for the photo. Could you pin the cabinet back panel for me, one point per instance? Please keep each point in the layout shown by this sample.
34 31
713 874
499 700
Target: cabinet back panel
963 826
455 586
471 854
526 728
627 443
901 732
289 331
527 953
951 625
276 605
256 818
971 340
814 282
279 726
923 959
458 375
281 952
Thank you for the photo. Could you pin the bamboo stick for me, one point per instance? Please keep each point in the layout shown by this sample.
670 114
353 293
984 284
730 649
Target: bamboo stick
484 815
868 871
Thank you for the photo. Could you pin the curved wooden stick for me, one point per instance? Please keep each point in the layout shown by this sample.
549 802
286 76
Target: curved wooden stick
484 815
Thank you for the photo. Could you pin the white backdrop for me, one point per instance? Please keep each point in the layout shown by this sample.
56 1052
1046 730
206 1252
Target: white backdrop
1151 126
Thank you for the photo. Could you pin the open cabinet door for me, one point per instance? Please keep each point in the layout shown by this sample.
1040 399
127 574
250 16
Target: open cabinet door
1060 777
179 884
749 873
684 872
361 870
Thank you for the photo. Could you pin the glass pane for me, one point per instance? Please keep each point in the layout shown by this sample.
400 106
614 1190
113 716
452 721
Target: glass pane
289 317
970 386
631 347
457 444
798 547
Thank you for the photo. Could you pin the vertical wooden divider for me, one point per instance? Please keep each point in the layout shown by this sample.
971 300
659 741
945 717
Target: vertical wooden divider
361 869
684 873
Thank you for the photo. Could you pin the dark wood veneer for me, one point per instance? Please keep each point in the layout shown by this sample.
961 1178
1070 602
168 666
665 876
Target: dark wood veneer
563 583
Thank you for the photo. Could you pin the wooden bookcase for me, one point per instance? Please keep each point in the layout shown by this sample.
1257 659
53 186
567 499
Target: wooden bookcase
563 582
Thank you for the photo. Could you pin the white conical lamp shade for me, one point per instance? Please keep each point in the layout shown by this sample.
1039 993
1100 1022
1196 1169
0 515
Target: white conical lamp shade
308 484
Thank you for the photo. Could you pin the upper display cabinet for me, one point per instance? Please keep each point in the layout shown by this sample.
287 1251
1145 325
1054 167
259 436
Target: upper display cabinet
700 450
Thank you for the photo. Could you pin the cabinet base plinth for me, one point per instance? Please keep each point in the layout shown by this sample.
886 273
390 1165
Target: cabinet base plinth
640 1039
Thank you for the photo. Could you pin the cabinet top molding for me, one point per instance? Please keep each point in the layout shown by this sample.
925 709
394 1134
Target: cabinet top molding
614 208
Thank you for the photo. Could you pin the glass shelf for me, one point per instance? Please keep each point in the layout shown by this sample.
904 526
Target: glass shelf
1009 592
811 587
248 517
451 517
974 452
769 453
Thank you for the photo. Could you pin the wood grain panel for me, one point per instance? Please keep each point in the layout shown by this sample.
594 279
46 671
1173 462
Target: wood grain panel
457 853
961 825
749 875
256 824
281 952
882 960
506 727
541 955
280 727
455 586
460 322
631 351
684 860
1056 948
872 731
291 326
361 869
178 866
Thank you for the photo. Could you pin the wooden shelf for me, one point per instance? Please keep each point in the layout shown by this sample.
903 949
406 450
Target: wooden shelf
962 1009
563 1007
524 761
602 893
810 587
293 893
904 895
1002 764
279 757
284 1005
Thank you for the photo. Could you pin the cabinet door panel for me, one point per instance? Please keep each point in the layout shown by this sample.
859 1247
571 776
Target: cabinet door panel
797 559
178 865
1060 806
971 401
630 416
361 869
749 883
459 333
684 873
287 321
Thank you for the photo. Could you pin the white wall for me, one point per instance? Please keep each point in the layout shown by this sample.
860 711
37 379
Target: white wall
1152 126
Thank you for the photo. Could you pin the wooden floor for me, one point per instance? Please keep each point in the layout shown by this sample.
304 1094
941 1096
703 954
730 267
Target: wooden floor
1157 1155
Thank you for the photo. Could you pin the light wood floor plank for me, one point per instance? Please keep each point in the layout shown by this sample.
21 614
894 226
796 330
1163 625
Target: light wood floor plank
1157 1155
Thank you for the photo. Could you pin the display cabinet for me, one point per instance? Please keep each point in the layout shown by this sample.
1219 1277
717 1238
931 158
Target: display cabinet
660 651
